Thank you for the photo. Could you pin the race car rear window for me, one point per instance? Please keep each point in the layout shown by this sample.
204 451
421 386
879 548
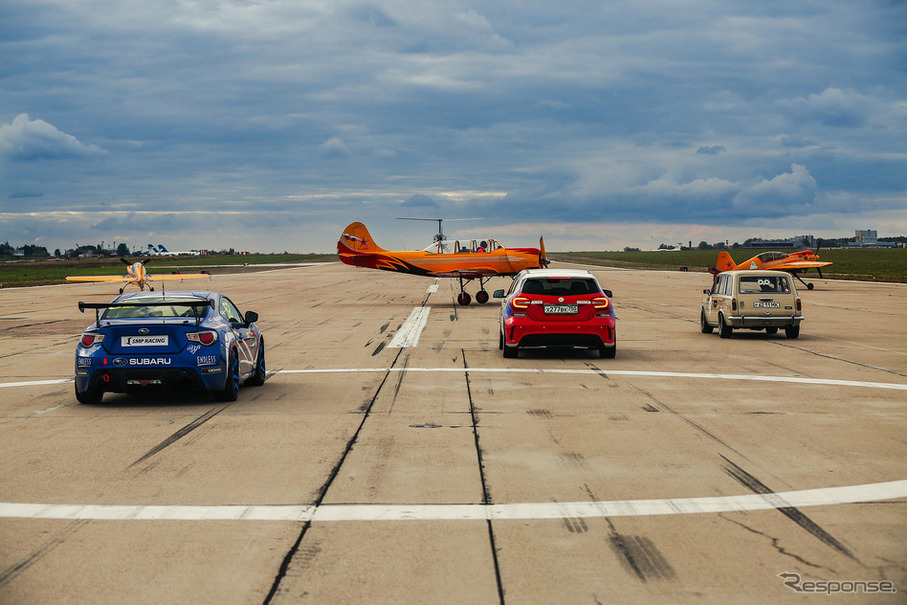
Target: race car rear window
560 286
175 309
755 284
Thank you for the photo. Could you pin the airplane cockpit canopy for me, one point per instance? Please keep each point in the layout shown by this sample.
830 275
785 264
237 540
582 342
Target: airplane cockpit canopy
766 257
467 246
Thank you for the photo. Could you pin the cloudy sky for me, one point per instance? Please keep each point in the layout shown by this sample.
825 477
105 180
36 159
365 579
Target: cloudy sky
270 125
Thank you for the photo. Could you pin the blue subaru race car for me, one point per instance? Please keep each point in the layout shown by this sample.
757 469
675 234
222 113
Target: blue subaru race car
177 340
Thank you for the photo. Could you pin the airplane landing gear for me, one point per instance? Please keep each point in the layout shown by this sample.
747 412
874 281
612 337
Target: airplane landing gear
809 286
481 296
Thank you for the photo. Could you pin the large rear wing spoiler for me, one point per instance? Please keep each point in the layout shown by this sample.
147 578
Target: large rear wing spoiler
195 304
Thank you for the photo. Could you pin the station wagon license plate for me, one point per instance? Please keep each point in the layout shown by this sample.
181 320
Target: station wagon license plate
767 305
561 309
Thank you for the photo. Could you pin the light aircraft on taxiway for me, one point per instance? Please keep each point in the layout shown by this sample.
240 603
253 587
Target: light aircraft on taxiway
465 259
135 275
793 263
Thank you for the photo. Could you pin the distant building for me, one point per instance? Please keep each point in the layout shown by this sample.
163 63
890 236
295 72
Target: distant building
868 239
797 241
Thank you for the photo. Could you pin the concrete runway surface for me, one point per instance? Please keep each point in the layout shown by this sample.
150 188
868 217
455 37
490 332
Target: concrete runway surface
394 456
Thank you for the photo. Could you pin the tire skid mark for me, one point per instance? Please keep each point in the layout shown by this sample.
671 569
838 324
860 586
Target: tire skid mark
486 496
841 359
791 512
14 570
398 385
637 554
322 492
180 434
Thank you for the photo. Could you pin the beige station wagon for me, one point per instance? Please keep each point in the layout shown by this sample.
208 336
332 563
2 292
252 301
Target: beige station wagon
751 300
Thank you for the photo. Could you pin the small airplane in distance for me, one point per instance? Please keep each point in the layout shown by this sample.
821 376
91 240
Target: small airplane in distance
135 275
793 263
160 250
464 260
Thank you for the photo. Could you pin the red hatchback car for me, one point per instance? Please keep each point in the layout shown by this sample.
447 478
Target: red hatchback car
556 308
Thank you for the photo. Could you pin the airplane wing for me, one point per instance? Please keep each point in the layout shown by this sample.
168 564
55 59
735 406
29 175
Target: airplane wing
97 278
471 273
798 265
176 276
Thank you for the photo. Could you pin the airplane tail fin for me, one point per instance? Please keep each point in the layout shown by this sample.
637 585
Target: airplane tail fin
355 241
543 258
725 262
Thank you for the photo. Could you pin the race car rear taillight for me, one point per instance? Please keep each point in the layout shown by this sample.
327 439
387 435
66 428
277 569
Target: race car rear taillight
601 302
89 339
208 337
520 302
799 306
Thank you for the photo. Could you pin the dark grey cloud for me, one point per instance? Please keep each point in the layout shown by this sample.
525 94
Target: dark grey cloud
289 120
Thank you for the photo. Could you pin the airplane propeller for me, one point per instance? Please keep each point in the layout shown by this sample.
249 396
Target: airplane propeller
440 235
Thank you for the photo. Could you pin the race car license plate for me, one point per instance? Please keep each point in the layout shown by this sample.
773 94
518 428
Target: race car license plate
561 309
161 340
767 305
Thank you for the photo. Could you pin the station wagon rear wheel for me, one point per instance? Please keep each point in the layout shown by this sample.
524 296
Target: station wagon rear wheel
724 330
704 326
792 331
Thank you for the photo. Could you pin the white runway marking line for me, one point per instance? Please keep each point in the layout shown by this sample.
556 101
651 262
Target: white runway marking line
409 333
412 337
851 494
641 373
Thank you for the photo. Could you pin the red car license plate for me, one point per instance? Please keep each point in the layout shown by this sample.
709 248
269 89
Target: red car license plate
561 309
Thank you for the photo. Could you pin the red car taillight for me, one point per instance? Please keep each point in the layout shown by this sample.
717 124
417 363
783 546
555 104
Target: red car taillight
89 339
520 302
601 302
206 338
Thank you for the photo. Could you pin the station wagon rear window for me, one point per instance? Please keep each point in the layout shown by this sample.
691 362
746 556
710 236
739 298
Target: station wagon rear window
756 284
560 286
171 310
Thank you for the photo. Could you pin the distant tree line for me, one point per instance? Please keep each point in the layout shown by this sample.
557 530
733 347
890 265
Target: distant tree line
29 251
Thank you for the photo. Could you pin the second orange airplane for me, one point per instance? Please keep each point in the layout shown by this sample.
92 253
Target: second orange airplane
459 259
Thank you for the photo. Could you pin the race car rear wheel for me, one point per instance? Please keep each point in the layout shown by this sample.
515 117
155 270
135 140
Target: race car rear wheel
90 395
231 387
704 326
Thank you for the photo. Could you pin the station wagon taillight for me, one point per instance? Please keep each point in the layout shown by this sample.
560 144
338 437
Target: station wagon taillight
733 304
601 302
208 337
520 302
88 339
799 307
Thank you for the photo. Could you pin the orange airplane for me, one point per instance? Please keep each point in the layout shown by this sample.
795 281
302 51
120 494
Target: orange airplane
135 275
460 259
793 263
